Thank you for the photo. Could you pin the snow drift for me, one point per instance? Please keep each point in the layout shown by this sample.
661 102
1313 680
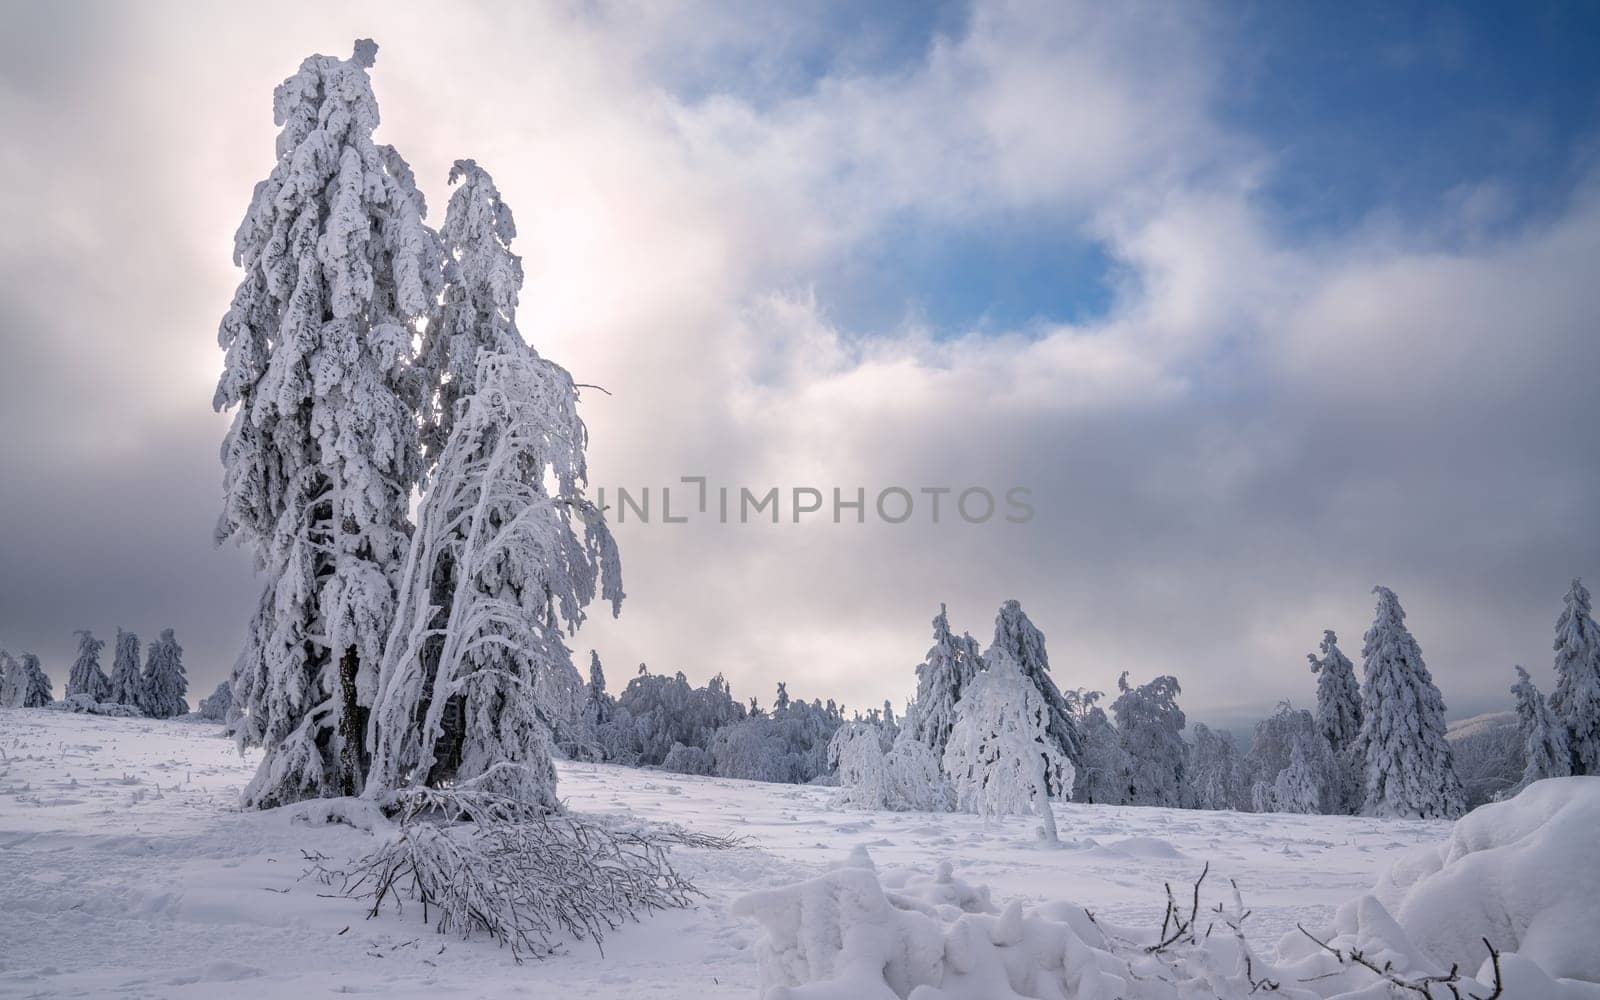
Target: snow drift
1514 874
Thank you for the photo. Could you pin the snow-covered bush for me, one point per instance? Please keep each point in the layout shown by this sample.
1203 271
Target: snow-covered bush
688 760
86 677
789 744
127 683
1150 727
13 681
667 711
907 776
1410 770
1103 774
164 682
83 704
1576 698
1001 758
36 693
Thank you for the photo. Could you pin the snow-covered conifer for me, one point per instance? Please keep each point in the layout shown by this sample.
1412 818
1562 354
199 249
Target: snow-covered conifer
1103 775
1288 755
780 703
127 684
1014 632
165 683
1409 767
1215 778
522 576
1298 788
1576 698
1339 720
319 464
940 679
1150 725
86 676
1544 738
218 705
1001 757
13 681
37 693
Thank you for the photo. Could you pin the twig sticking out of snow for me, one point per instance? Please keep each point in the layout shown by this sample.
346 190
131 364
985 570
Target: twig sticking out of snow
1422 984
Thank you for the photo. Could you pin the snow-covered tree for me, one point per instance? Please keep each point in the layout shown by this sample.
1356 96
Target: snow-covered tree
1339 720
1576 698
1409 766
37 693
482 280
13 681
1544 738
906 776
127 684
1150 726
319 464
522 575
218 705
1103 775
1014 632
86 677
1292 767
165 683
1215 778
1002 758
941 677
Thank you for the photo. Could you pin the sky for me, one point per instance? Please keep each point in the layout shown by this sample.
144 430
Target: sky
1263 306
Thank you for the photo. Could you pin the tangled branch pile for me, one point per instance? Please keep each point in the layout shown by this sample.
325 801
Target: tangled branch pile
482 863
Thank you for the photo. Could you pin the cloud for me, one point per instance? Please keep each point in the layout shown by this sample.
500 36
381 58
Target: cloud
1252 432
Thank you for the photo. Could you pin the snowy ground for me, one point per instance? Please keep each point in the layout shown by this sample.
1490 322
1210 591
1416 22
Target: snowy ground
126 871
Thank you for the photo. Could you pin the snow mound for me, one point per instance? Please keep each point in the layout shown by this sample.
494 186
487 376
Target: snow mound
1521 873
86 704
1518 874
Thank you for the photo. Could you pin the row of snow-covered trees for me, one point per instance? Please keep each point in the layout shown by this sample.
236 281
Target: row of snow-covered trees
157 690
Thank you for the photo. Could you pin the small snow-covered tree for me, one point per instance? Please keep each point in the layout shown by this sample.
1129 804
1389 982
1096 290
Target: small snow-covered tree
217 706
1339 720
165 683
320 461
522 576
1290 740
941 677
1014 632
1544 738
1001 758
1150 726
37 693
906 776
1576 698
127 684
86 677
1103 775
1409 767
13 681
1215 776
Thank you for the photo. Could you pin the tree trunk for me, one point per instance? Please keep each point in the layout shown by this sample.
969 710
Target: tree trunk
352 727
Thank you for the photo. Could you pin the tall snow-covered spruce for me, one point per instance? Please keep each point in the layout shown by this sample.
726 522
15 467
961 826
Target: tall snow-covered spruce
36 692
941 677
86 676
1339 719
1544 738
164 682
323 453
1576 698
127 684
1410 770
